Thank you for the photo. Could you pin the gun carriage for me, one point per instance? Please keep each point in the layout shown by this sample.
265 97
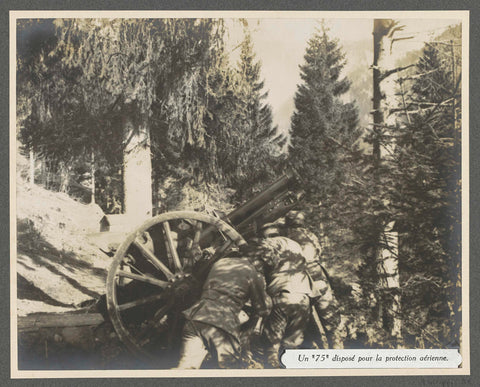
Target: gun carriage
159 270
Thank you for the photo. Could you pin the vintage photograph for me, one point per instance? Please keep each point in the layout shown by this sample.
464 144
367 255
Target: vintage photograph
205 193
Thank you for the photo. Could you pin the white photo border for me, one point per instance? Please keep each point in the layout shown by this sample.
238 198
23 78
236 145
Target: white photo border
463 16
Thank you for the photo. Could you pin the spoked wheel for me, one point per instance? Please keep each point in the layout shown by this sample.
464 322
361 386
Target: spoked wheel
157 273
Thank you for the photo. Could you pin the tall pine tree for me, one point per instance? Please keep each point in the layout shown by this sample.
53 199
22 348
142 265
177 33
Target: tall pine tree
427 191
418 186
101 86
259 143
322 124
323 150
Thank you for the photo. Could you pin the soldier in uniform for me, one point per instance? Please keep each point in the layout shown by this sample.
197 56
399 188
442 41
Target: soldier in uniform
289 286
212 324
325 304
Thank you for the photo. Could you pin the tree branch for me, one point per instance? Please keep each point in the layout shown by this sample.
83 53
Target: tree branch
441 102
416 75
393 71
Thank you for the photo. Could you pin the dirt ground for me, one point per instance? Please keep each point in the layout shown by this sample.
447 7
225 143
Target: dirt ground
74 348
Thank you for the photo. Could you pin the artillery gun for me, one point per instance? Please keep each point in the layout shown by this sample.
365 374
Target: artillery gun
159 270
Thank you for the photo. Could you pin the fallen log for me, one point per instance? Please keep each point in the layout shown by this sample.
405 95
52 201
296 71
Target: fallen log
70 341
57 320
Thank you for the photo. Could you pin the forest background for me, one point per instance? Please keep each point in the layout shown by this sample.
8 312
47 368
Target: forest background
87 87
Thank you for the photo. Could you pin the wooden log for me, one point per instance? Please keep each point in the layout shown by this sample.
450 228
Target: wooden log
57 320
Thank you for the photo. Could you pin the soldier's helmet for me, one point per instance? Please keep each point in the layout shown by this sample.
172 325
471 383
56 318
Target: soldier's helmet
257 261
295 218
269 230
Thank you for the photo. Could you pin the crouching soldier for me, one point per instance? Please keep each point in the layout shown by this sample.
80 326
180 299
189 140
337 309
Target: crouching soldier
325 303
212 324
289 286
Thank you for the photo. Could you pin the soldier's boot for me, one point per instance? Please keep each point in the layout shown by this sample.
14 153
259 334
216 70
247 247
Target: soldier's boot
273 359
251 362
334 340
337 334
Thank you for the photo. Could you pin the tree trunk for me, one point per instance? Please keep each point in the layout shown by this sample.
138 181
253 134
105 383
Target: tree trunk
92 201
47 168
383 101
32 168
137 173
64 172
43 172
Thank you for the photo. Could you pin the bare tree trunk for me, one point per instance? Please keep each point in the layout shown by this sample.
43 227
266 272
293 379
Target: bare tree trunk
155 195
383 101
137 173
47 173
64 172
43 173
92 201
32 167
378 34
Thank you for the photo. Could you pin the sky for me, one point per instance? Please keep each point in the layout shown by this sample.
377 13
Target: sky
280 46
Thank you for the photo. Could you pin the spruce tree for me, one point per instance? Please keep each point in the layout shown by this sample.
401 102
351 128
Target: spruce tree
188 89
427 191
322 124
93 78
260 144
323 151
418 186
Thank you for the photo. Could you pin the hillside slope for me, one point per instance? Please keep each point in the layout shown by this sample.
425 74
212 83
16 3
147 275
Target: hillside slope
58 265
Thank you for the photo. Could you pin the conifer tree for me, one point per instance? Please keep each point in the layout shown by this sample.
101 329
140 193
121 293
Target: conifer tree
428 196
321 116
260 144
189 89
97 77
418 186
324 152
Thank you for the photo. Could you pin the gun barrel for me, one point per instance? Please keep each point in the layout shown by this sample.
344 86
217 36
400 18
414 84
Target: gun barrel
244 217
276 188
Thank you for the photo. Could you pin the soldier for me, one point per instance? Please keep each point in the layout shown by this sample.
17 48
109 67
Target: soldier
325 304
290 288
212 324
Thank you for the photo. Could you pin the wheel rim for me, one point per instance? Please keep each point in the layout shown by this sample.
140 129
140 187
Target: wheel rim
156 274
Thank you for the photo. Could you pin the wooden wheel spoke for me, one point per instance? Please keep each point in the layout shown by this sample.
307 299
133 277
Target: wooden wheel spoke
198 232
133 268
171 247
161 312
194 246
140 301
154 260
143 278
145 312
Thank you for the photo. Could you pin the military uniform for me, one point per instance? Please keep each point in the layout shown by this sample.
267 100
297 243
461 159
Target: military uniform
290 287
325 303
213 322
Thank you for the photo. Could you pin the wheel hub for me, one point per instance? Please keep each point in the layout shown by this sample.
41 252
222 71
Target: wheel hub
183 290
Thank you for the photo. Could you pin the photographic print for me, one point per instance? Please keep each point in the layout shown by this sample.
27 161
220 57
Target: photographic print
239 193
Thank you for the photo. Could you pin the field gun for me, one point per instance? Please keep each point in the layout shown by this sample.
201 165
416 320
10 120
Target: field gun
159 270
